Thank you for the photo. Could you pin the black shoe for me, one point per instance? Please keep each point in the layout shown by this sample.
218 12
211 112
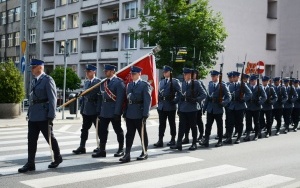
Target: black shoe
193 147
259 135
56 162
295 129
99 154
142 157
27 167
228 141
277 133
125 158
285 131
119 153
79 150
96 150
267 135
219 144
204 142
255 138
177 146
159 144
247 138
185 141
171 143
237 141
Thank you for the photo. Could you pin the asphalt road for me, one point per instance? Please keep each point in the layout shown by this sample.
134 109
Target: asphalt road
268 162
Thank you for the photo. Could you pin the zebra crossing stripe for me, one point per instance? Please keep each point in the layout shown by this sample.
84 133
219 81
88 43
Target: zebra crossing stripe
25 140
109 172
24 135
12 129
261 182
13 132
64 128
185 177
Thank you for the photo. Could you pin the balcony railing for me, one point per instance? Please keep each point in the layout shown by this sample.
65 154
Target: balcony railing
89 3
50 11
112 25
90 29
88 54
109 54
108 1
48 34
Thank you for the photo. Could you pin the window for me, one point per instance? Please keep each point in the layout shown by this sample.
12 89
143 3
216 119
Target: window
61 47
271 42
61 23
33 9
17 14
149 40
10 39
94 45
129 41
146 10
74 45
115 43
131 9
115 14
17 59
272 9
32 36
74 19
3 41
17 39
62 2
3 18
74 1
11 15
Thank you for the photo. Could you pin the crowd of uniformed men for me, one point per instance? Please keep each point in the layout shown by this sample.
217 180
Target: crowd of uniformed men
260 103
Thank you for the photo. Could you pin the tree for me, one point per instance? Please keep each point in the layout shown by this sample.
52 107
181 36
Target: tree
72 80
175 23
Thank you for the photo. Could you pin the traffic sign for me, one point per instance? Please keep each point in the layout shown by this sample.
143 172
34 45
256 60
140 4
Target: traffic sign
260 67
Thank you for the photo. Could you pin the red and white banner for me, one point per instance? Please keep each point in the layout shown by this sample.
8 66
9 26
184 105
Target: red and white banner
147 63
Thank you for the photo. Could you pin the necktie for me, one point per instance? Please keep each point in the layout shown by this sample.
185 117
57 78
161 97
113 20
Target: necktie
35 80
166 81
108 80
90 83
133 84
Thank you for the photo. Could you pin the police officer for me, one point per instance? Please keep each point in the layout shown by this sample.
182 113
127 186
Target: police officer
200 124
218 97
230 80
169 88
88 107
138 94
296 109
278 105
192 95
41 113
288 106
112 92
265 117
240 94
254 106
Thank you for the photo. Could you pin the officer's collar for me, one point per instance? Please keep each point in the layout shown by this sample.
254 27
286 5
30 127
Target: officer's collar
39 76
137 81
111 78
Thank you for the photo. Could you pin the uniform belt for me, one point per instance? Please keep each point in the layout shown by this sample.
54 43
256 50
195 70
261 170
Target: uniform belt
165 98
39 101
135 102
108 100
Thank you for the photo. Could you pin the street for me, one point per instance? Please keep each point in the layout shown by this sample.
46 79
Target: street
268 162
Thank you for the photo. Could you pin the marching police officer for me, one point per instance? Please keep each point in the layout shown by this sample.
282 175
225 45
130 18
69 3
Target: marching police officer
254 106
169 88
296 109
240 94
278 105
112 91
41 113
230 80
88 107
192 95
288 106
218 97
138 94
265 117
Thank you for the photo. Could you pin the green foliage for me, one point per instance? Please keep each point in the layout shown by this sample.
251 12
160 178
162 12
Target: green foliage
174 24
11 83
89 23
72 80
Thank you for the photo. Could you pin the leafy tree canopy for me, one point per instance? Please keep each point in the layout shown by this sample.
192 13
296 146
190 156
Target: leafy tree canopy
72 81
176 23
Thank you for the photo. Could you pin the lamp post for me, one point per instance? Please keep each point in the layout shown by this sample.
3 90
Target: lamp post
66 54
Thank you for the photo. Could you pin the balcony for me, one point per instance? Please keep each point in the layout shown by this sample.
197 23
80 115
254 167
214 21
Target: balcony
89 3
49 12
110 25
109 53
48 57
108 1
88 55
48 34
90 29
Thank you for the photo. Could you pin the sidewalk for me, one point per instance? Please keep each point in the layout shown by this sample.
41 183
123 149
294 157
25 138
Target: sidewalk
21 120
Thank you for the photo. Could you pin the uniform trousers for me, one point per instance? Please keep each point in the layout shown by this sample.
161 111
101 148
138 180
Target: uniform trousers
235 120
103 129
133 125
255 116
295 116
210 120
187 120
163 116
265 120
287 112
277 115
88 120
199 123
34 129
